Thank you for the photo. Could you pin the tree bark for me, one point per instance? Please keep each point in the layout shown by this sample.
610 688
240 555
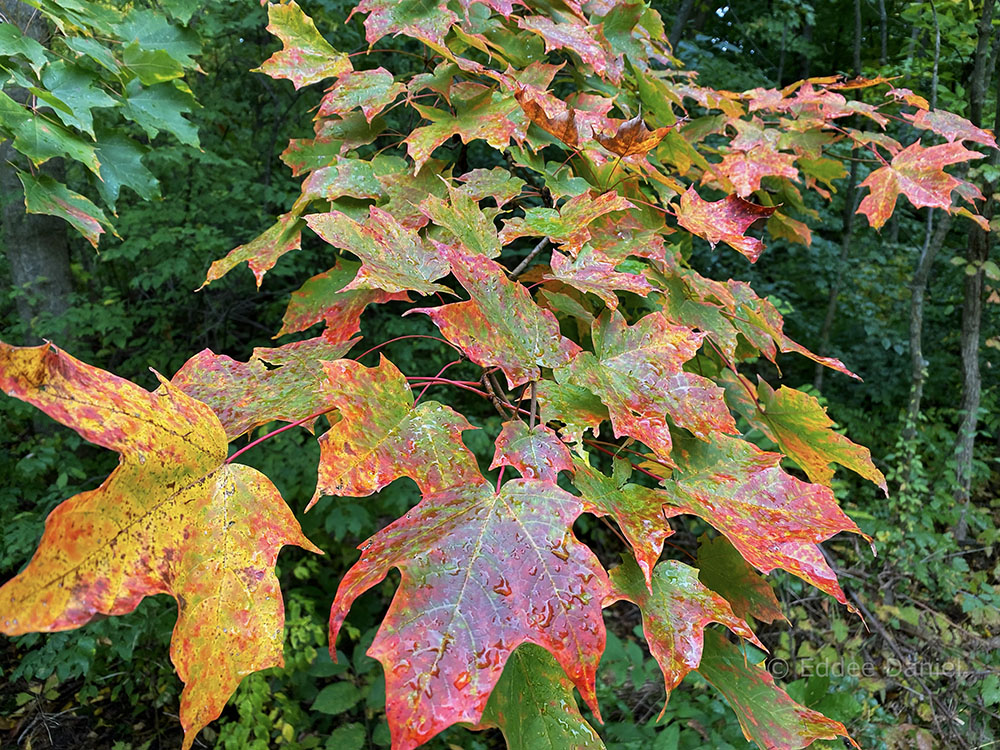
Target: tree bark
972 305
857 38
883 25
933 242
677 30
35 245
846 235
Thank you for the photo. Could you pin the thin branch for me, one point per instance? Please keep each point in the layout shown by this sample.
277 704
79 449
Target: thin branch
523 265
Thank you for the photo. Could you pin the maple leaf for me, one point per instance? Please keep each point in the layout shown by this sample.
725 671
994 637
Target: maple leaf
370 90
762 325
951 126
534 707
382 436
461 553
245 395
496 183
918 173
500 326
632 138
800 426
745 169
261 253
767 715
464 220
480 113
638 373
426 20
594 272
637 510
586 42
537 453
406 190
558 121
577 408
568 225
394 258
323 297
306 56
304 155
906 95
353 178
675 610
772 518
722 568
172 518
723 221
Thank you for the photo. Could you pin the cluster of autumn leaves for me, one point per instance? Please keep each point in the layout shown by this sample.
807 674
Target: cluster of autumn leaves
609 332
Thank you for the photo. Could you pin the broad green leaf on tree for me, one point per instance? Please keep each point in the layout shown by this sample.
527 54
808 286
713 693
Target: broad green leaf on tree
594 272
369 90
461 553
173 518
767 715
566 226
393 258
496 183
464 221
576 408
480 113
675 610
427 20
800 426
534 706
382 436
69 97
722 568
44 195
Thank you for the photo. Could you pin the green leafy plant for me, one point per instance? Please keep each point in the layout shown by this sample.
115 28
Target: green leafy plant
526 133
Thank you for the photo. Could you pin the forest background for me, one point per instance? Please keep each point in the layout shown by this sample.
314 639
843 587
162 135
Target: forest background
926 672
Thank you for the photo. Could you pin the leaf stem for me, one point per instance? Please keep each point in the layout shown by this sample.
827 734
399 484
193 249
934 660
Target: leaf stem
278 431
604 450
408 336
440 373
534 406
457 383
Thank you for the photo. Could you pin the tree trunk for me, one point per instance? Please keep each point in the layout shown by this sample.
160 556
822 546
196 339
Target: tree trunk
883 26
677 30
933 242
857 38
972 305
846 234
35 245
